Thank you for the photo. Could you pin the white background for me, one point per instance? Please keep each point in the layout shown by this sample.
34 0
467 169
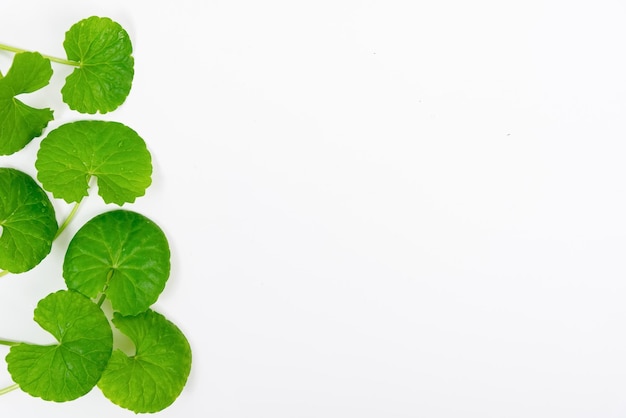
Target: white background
376 208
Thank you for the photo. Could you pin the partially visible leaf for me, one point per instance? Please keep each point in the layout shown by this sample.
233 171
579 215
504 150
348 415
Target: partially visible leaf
105 73
114 153
20 123
154 377
71 368
123 254
27 222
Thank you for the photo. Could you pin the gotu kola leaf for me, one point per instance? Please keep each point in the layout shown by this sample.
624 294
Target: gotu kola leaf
152 378
103 78
27 221
122 254
111 151
70 369
20 123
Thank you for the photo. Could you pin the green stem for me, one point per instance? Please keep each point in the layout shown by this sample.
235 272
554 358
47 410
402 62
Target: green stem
67 220
4 272
9 343
51 58
103 296
9 389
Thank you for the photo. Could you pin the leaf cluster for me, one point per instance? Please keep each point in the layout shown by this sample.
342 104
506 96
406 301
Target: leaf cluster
119 255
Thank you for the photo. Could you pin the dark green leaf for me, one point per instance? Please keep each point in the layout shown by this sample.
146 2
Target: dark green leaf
71 368
123 254
20 123
110 151
154 377
27 222
103 79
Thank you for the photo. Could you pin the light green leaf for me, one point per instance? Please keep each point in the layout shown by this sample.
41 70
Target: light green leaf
71 368
154 377
27 222
122 254
105 73
20 123
70 154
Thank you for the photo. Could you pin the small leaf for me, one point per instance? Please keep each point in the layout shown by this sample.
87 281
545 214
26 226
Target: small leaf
70 154
154 377
70 369
27 222
20 123
123 254
105 73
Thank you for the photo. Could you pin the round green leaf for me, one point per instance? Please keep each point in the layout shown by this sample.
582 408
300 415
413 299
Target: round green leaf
111 151
104 75
20 123
154 377
70 369
122 254
27 222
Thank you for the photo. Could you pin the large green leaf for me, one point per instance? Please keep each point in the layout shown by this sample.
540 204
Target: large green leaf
70 369
111 151
104 76
20 123
122 254
27 222
152 378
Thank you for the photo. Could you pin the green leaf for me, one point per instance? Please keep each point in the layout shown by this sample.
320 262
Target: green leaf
105 73
154 377
27 222
20 123
74 152
70 369
122 254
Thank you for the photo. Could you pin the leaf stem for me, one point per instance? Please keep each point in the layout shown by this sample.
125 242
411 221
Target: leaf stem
4 272
67 220
9 389
51 58
101 300
103 296
9 343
